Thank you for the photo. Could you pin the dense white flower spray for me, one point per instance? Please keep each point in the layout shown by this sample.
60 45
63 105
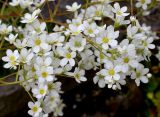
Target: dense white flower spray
84 43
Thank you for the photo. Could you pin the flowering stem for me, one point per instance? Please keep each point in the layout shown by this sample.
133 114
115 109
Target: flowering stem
3 7
18 72
131 2
97 46
3 83
86 5
29 94
56 8
2 41
8 76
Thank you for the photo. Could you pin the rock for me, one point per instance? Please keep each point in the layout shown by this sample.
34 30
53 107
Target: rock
13 101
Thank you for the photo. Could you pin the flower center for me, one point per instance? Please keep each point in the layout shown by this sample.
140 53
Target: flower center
41 91
126 60
105 40
44 74
12 58
98 13
37 41
145 43
111 72
138 74
77 76
77 44
52 99
90 31
119 13
68 55
35 109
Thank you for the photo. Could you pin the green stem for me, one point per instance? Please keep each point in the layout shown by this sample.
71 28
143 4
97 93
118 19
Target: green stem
8 76
3 83
56 8
3 7
18 72
29 94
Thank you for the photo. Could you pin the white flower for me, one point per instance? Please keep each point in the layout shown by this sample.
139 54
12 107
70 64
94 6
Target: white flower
51 101
11 58
121 21
29 18
42 62
58 110
77 43
55 39
68 57
101 57
127 61
79 75
38 42
40 91
107 37
11 38
4 29
91 29
116 84
111 71
35 109
97 11
74 7
75 26
140 74
37 27
143 3
14 3
45 74
119 11
25 3
147 43
20 43
99 78
25 56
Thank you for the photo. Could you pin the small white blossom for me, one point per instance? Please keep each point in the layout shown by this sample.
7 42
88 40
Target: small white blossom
14 3
11 58
40 91
74 7
140 74
119 11
68 57
29 18
35 109
25 56
11 39
143 3
45 74
4 29
107 37
77 43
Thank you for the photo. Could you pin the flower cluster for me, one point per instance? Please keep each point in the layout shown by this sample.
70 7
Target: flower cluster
70 50
144 4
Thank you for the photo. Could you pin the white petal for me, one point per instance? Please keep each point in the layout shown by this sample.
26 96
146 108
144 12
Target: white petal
63 62
144 79
116 77
72 62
